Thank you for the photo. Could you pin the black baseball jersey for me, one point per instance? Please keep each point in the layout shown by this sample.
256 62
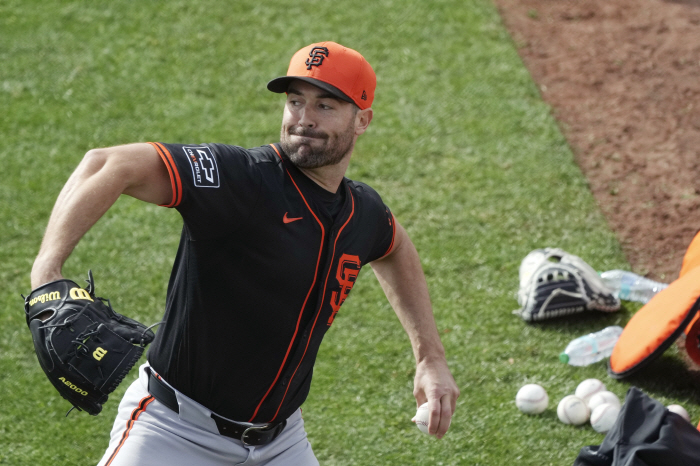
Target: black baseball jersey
261 271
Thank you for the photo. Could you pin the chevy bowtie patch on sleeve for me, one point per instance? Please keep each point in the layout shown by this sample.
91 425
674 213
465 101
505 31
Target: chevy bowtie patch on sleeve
205 172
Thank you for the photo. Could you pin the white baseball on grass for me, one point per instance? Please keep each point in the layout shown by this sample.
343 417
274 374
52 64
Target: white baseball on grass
572 410
604 416
588 388
603 397
532 399
422 418
680 410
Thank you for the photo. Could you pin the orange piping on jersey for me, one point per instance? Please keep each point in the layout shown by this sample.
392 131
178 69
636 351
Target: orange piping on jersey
308 294
175 180
130 424
318 313
393 235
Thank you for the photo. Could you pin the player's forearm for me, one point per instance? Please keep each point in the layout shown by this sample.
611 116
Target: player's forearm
87 195
401 277
404 284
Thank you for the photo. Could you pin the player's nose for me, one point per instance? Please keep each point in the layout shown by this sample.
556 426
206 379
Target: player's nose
306 118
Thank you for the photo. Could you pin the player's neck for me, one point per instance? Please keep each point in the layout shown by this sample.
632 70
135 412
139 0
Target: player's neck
328 177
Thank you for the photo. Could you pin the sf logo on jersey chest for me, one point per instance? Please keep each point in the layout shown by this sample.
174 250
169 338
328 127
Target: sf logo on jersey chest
348 269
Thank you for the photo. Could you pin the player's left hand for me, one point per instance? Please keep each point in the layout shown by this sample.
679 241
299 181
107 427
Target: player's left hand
435 385
84 347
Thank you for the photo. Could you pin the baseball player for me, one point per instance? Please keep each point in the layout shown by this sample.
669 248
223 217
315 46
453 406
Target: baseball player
273 240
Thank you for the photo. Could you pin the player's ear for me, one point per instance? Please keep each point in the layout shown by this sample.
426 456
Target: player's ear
362 120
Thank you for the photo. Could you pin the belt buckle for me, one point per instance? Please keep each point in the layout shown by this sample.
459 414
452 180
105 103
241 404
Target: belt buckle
245 432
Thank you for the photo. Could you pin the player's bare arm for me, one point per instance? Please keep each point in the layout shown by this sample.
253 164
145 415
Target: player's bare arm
404 284
96 184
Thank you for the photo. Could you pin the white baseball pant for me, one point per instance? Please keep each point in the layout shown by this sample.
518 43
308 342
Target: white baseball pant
147 433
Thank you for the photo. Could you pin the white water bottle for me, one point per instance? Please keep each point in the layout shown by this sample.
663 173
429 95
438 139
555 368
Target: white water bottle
630 286
591 348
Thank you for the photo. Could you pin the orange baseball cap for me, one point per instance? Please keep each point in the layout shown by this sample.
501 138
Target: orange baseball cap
334 68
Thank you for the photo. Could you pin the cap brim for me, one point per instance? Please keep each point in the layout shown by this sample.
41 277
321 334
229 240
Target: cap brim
281 84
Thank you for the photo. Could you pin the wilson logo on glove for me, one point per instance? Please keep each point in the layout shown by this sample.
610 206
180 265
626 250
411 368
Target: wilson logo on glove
99 353
79 293
53 296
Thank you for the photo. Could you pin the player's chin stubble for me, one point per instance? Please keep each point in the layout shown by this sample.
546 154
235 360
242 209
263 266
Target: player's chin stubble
331 152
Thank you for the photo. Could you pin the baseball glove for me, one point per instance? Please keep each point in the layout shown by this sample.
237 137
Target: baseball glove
555 283
84 347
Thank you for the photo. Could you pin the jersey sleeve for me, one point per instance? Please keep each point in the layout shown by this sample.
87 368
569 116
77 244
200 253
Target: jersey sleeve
389 234
214 186
383 224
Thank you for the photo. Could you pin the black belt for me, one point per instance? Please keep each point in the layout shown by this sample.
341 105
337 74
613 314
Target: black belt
249 435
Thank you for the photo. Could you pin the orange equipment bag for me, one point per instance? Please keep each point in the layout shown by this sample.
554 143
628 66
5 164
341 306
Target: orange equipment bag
671 312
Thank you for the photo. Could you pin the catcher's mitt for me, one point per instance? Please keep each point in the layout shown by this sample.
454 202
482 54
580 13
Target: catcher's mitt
554 283
84 347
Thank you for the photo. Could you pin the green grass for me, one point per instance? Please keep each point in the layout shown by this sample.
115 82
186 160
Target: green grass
462 149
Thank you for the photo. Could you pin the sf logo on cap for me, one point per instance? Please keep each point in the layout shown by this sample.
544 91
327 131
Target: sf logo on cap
316 55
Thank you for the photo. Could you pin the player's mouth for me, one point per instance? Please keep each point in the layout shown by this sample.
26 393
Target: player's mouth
307 133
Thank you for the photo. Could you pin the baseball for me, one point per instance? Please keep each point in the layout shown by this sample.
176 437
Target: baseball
588 388
604 416
531 399
603 397
572 410
680 410
422 418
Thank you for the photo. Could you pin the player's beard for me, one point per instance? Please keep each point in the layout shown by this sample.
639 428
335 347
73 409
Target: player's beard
331 152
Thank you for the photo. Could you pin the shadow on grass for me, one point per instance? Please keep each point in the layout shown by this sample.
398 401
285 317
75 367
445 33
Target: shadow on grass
669 376
577 325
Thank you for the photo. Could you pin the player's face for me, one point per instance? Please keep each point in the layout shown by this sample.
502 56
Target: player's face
317 128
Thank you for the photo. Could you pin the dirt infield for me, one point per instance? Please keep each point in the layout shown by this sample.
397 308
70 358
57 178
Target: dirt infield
623 80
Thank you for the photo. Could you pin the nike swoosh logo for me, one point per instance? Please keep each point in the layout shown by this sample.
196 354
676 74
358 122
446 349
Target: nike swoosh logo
286 219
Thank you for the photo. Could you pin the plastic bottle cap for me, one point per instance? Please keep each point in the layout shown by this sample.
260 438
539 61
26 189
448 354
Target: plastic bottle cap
563 357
